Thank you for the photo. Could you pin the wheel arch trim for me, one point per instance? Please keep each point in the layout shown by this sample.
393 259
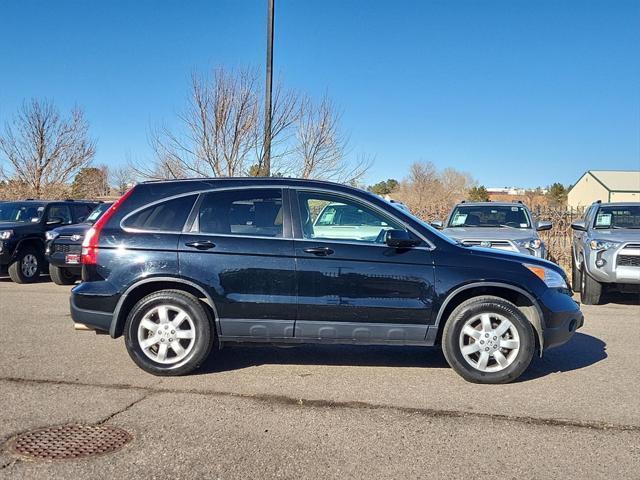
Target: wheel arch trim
536 320
116 321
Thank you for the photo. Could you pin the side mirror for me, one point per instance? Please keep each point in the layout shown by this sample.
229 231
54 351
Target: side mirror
437 224
54 221
579 225
544 225
400 239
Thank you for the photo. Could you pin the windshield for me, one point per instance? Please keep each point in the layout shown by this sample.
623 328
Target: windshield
431 230
514 216
22 212
617 217
97 212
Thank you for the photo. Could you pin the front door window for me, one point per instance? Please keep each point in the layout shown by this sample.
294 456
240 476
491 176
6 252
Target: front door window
334 217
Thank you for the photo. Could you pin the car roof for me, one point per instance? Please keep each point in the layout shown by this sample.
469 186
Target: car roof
491 204
192 184
618 204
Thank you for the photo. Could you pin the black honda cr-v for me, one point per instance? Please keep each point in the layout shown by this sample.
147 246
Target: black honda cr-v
180 266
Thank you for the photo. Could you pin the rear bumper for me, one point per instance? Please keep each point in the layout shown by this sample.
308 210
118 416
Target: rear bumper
93 304
91 318
562 317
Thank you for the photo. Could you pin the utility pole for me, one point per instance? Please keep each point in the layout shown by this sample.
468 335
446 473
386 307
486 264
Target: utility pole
266 159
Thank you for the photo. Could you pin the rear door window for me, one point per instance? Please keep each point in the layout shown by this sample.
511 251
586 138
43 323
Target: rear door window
60 211
252 212
81 211
168 216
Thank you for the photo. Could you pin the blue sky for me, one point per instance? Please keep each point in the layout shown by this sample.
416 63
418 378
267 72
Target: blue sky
515 92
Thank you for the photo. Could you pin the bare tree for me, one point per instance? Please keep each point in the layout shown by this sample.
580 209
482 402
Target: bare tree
285 108
219 129
321 146
122 178
428 191
42 150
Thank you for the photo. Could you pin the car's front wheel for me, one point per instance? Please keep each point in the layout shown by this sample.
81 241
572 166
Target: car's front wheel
590 289
168 333
26 267
61 275
488 339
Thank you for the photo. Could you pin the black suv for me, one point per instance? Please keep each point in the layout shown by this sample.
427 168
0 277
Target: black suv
181 266
63 248
23 225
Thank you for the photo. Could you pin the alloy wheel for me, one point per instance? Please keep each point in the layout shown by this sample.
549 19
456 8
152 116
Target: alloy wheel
29 265
166 334
489 342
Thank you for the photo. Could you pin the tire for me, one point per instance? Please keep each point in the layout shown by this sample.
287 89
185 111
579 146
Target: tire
590 289
576 274
61 275
27 266
515 346
148 311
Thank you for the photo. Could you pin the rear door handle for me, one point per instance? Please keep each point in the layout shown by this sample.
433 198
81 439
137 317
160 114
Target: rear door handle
201 244
319 251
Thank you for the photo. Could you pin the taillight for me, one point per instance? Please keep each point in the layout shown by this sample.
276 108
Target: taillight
90 242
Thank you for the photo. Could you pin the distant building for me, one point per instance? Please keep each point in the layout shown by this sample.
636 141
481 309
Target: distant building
605 185
514 191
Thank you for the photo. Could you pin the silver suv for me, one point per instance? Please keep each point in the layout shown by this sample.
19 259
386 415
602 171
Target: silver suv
504 226
606 250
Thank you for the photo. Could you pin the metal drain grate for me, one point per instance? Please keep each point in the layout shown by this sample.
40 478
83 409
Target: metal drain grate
70 441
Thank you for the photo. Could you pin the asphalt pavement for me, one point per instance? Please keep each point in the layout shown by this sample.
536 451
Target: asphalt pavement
321 411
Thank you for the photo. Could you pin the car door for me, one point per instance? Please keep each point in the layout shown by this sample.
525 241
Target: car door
351 285
239 246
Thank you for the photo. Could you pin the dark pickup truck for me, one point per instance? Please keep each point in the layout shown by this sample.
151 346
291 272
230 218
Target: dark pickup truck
23 226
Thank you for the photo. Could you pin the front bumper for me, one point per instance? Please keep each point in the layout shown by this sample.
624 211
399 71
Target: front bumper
7 249
56 253
562 317
616 267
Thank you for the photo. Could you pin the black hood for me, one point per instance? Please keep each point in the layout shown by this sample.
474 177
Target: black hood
77 229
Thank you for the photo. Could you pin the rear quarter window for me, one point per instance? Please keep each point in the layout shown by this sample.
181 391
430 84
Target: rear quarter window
168 216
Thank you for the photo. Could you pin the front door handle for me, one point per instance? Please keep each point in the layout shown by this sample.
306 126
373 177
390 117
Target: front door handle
319 251
201 244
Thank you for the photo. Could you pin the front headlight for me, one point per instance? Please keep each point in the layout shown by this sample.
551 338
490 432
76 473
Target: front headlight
534 243
550 277
51 235
602 244
6 234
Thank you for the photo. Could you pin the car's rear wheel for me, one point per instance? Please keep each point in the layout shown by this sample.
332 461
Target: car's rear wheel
168 333
26 267
61 275
576 274
590 289
488 339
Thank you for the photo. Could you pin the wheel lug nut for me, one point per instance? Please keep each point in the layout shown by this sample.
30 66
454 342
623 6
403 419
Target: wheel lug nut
486 335
481 342
486 349
162 339
495 338
173 331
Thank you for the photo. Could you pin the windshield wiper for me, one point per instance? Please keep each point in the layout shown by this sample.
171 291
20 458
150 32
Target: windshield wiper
509 226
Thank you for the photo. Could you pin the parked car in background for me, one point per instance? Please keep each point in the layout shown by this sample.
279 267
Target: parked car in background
504 226
606 250
64 245
180 266
23 225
